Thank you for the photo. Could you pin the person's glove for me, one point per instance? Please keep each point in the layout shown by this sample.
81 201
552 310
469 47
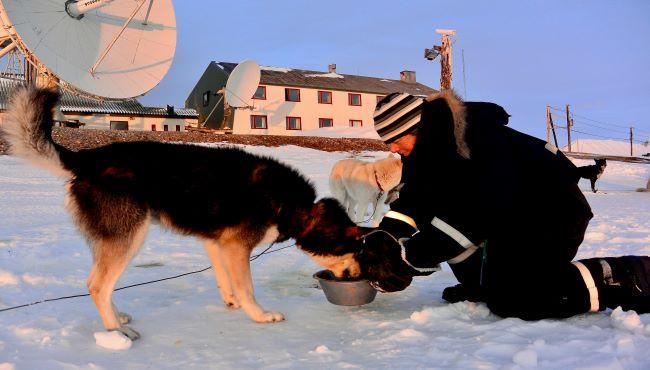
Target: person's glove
460 292
382 263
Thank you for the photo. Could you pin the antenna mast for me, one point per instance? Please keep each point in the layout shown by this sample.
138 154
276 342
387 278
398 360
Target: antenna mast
446 60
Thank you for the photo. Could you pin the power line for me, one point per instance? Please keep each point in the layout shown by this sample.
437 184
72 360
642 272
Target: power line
600 127
600 122
610 138
253 258
600 136
604 123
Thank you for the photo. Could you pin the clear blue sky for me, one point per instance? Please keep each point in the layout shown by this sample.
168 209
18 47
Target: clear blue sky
522 54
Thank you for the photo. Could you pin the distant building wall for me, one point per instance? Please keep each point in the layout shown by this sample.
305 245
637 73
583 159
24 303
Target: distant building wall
135 123
308 109
103 121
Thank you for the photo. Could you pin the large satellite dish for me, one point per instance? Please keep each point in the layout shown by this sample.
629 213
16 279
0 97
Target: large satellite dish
242 83
104 48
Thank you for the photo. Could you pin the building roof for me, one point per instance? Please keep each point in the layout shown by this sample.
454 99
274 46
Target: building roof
72 103
332 81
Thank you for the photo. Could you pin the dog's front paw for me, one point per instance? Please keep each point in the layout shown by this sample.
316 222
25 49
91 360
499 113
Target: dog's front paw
129 332
269 316
125 318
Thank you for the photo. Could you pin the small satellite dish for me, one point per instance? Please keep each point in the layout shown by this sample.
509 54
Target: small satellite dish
242 83
105 48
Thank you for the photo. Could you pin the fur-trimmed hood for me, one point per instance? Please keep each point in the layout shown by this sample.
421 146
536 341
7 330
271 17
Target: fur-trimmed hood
458 111
464 115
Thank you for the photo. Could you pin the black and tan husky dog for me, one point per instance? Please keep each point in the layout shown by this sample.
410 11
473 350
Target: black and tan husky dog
230 199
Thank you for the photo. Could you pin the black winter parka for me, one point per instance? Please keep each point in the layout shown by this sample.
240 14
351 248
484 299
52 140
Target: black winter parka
503 206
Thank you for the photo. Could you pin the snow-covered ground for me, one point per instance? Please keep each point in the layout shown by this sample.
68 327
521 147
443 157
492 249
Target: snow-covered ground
184 324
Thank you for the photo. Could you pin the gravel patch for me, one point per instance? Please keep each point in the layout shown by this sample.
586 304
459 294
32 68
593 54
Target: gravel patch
78 139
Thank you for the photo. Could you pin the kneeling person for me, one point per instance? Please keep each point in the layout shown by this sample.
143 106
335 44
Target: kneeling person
466 200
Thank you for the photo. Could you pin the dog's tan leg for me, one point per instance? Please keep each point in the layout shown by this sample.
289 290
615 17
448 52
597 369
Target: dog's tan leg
106 271
221 274
236 258
110 260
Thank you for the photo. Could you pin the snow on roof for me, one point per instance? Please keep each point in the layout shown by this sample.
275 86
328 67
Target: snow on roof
275 69
328 75
607 147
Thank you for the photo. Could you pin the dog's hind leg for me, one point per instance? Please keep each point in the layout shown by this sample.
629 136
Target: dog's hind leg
110 259
221 274
236 253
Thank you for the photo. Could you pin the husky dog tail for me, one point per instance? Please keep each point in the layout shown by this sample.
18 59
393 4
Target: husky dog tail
28 129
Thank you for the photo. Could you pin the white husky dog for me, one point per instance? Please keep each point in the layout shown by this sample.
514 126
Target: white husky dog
358 184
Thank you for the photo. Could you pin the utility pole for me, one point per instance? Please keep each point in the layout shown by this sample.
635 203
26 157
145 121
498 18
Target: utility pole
550 127
548 124
569 123
445 53
631 141
446 59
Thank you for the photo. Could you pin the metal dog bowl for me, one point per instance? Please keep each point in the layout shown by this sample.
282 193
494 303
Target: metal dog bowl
345 292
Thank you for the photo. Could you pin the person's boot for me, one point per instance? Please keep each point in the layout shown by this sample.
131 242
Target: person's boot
468 273
621 281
